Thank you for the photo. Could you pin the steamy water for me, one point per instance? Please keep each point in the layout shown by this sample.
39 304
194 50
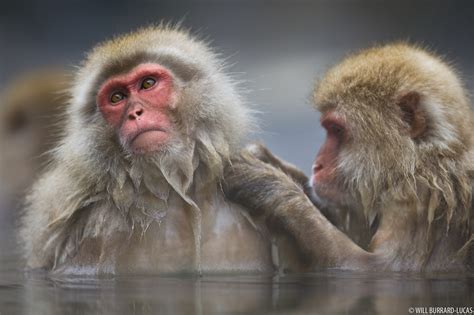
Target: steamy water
326 292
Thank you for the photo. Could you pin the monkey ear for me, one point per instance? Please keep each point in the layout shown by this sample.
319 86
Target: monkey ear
413 114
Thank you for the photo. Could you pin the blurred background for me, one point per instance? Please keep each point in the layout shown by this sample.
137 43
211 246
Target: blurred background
278 48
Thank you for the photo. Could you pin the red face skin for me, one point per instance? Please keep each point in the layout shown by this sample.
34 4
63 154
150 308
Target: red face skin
136 104
324 179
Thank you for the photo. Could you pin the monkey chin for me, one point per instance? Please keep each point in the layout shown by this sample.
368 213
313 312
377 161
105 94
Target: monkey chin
149 141
328 195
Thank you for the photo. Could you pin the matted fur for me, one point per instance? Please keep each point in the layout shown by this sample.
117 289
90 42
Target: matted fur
92 177
416 187
382 164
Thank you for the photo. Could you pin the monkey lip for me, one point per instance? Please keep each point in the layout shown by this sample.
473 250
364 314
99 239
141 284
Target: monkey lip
147 140
322 190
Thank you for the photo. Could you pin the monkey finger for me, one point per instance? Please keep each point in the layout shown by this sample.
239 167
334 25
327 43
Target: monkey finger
255 185
259 151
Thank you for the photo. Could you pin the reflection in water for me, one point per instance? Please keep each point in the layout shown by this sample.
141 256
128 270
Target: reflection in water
329 292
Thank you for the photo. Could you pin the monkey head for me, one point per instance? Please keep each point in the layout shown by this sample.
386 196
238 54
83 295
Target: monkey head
136 105
159 96
30 108
396 117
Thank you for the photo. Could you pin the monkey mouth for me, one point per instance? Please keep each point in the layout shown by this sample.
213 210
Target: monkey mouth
142 131
330 195
148 140
321 192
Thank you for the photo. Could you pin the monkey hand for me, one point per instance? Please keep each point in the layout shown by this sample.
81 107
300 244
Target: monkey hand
262 188
262 153
272 197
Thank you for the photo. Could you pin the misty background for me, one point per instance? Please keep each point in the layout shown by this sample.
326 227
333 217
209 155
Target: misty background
278 48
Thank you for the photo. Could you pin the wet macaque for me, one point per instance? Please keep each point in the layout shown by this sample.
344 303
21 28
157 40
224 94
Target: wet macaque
352 223
135 184
399 151
30 125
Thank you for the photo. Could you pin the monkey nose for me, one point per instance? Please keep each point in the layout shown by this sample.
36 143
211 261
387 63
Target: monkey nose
317 167
135 113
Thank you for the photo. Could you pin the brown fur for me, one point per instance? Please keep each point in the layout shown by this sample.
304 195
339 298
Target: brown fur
409 162
352 223
101 209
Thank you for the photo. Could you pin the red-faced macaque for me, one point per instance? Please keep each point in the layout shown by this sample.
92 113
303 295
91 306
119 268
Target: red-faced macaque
30 122
352 223
134 185
399 149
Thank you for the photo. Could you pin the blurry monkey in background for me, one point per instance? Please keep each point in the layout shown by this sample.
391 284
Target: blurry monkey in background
399 150
31 109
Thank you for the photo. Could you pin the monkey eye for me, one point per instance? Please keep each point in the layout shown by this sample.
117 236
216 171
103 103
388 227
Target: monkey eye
117 97
335 129
17 121
147 83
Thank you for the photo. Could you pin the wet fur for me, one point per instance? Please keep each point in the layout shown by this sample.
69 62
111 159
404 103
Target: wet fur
95 195
420 189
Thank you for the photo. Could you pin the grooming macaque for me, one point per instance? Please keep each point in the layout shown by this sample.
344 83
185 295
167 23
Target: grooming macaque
352 223
30 122
134 185
399 149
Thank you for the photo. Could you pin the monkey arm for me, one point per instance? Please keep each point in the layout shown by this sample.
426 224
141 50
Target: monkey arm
270 194
262 153
336 216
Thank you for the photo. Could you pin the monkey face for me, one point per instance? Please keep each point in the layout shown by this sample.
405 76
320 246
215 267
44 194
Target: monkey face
326 175
137 105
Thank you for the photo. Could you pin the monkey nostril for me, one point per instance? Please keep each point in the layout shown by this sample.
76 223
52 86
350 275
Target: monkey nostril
317 167
135 114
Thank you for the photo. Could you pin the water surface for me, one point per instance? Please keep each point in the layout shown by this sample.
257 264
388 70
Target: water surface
328 292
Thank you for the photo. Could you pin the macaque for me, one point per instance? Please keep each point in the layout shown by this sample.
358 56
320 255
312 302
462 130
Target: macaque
30 120
399 150
352 223
134 186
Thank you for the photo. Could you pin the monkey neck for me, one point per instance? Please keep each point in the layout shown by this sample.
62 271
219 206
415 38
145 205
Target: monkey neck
408 239
397 229
169 194
146 185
